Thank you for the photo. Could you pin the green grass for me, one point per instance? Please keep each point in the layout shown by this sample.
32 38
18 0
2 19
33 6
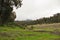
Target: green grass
16 33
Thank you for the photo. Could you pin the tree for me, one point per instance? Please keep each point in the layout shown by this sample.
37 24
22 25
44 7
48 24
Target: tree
6 8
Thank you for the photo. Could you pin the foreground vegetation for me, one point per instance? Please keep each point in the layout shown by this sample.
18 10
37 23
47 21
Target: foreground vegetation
17 33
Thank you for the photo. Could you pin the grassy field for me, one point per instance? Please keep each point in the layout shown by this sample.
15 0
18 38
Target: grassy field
39 32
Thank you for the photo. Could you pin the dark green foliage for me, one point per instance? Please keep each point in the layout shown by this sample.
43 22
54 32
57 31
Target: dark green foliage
6 8
53 19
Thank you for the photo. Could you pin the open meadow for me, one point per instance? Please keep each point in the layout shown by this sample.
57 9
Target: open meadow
31 32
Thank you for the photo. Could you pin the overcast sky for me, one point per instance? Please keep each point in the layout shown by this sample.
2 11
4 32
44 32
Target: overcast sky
35 9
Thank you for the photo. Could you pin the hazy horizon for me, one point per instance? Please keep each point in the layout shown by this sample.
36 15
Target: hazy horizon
35 9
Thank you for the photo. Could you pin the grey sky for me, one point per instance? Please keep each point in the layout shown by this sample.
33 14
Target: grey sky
35 9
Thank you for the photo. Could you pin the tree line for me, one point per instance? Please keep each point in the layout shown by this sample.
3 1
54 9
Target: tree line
53 19
45 20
